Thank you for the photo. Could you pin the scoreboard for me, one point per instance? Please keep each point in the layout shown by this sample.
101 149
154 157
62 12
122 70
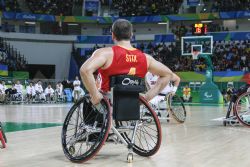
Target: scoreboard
199 29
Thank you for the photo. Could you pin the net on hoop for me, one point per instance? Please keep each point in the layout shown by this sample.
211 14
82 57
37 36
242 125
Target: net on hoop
195 55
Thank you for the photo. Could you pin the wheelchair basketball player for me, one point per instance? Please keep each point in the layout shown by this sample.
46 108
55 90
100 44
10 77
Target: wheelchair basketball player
122 59
171 88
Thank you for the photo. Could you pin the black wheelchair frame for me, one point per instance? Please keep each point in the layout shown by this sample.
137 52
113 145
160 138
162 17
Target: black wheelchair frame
133 123
238 102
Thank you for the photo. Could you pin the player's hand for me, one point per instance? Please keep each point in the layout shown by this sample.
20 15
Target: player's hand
96 99
172 93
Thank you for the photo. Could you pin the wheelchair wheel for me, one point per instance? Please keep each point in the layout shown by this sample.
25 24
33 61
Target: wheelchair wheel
3 133
177 108
148 135
85 129
242 108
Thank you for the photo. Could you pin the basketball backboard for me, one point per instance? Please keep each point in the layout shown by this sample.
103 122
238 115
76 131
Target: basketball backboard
203 44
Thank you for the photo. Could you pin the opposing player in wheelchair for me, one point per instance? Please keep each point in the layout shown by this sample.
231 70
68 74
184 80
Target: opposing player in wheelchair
239 107
132 121
167 101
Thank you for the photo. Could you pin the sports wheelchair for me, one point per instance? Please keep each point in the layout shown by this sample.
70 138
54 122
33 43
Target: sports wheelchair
16 98
239 108
169 104
130 121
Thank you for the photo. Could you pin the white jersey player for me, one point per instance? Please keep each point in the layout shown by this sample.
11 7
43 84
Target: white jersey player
151 80
19 87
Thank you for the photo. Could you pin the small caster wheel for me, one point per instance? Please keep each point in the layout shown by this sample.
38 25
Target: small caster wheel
72 150
168 120
130 157
159 114
225 123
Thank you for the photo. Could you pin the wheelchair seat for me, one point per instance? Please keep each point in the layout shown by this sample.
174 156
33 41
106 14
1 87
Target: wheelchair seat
125 91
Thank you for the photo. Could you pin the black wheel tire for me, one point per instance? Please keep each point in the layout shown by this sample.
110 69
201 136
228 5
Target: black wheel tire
237 105
176 116
103 135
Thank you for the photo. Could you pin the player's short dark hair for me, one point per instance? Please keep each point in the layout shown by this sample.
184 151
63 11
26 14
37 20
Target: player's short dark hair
122 29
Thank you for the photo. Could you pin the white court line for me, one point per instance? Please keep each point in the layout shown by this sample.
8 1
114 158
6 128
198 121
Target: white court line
49 106
218 119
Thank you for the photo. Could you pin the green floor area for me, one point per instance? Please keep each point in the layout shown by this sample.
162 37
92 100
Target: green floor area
203 104
14 126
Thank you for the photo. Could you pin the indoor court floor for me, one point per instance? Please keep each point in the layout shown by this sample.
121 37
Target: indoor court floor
34 140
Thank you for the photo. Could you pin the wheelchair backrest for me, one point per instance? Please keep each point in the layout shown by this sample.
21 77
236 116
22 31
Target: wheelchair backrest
125 96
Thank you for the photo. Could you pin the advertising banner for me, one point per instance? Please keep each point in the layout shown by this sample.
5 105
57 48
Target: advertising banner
3 70
28 17
193 2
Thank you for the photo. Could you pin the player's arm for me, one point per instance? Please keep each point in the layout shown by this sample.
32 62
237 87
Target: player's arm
147 82
164 73
96 61
176 79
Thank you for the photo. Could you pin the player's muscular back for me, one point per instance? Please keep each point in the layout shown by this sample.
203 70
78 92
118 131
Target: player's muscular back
123 61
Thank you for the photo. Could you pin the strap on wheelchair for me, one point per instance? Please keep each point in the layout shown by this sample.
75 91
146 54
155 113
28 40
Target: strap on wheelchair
125 90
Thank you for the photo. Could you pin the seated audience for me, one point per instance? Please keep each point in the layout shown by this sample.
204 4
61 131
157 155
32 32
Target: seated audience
2 91
39 91
49 93
59 90
30 92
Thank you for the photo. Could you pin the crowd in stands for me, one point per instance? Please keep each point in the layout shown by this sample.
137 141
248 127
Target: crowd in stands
232 55
146 7
227 56
230 5
39 92
53 7
8 56
10 5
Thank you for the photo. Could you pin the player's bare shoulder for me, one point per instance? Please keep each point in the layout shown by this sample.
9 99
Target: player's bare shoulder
107 51
104 55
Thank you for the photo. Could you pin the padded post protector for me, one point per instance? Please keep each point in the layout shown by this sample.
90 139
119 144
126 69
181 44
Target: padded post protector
126 89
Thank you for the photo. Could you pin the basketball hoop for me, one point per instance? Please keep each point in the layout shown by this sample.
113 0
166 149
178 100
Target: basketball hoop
195 55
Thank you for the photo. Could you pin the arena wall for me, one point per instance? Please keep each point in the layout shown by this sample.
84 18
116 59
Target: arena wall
44 49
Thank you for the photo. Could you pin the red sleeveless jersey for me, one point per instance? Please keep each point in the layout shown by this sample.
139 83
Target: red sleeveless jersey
125 62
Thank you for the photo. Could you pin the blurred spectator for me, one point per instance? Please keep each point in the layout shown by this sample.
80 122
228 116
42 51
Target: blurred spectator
39 90
2 91
78 91
59 90
11 91
67 84
49 93
186 93
30 89
19 87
